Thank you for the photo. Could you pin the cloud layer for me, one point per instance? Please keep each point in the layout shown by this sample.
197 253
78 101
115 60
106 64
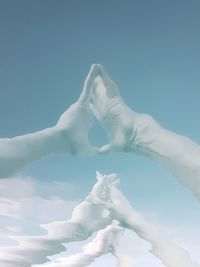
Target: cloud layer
87 217
103 204
106 241
170 254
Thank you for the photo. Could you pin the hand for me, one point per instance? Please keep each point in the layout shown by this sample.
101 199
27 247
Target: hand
75 122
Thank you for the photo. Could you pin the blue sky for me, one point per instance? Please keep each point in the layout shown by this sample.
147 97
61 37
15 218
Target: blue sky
150 48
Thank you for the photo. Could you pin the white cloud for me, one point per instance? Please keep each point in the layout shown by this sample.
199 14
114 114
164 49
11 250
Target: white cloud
106 241
87 217
25 203
19 215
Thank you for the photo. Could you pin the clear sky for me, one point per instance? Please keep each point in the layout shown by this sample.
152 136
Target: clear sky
150 48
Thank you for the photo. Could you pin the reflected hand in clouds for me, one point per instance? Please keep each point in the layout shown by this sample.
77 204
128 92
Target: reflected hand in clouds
170 254
87 218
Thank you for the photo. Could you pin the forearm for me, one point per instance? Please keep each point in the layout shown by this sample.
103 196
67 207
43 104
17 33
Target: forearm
178 153
140 133
19 151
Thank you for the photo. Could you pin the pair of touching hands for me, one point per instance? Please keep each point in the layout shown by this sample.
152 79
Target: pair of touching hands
97 94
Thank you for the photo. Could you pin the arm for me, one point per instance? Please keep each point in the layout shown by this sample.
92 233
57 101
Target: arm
17 152
129 131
